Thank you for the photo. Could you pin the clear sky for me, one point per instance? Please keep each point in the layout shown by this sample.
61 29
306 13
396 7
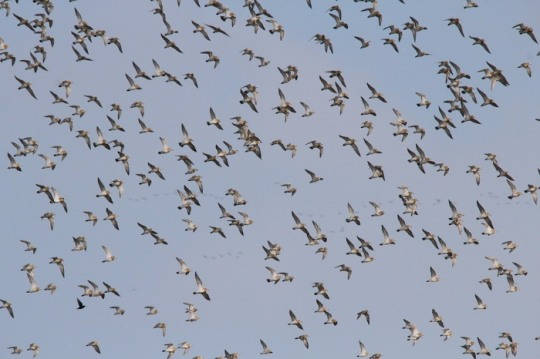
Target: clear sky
244 307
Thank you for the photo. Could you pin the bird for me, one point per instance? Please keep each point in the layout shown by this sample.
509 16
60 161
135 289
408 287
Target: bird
376 170
184 269
304 339
108 255
345 268
34 348
161 326
151 310
419 52
200 29
132 85
386 237
94 344
514 192
117 310
265 348
314 177
433 276
111 217
367 109
436 318
481 42
404 226
365 43
363 350
170 44
455 21
480 304
483 348
60 263
27 86
352 216
488 282
103 191
363 313
274 276
350 142
391 42
186 140
29 246
295 321
15 350
423 100
211 58
201 289
527 67
7 305
80 57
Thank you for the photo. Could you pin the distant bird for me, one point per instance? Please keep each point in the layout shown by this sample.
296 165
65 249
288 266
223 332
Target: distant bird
404 226
295 321
111 217
345 268
184 269
108 255
481 42
376 171
27 86
480 304
352 216
304 339
132 85
7 305
365 43
455 21
527 67
201 289
265 348
423 100
314 177
433 275
170 44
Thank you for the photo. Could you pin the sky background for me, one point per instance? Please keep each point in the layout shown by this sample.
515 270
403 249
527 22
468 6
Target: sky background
244 307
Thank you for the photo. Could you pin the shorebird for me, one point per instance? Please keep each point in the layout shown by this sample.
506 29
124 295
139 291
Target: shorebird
94 344
436 318
352 216
108 255
304 339
265 348
404 226
314 177
480 304
433 276
295 321
8 307
201 289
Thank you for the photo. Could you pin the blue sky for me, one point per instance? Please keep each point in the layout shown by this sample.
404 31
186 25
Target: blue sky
244 307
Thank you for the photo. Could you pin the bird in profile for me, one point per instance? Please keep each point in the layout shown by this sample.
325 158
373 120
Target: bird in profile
304 339
294 320
201 289
480 305
94 344
363 313
314 177
7 305
433 276
265 348
352 216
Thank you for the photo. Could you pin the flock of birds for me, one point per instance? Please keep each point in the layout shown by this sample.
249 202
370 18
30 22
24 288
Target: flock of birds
100 124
